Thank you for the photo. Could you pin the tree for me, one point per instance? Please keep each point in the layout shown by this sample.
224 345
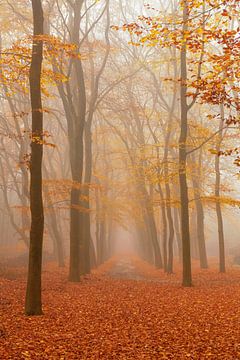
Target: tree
75 100
219 139
186 252
33 303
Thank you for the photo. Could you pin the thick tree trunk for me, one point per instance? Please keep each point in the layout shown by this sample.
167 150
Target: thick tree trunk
75 131
186 252
33 303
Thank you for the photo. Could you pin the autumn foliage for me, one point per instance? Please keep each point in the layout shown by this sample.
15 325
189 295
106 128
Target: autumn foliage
135 125
141 315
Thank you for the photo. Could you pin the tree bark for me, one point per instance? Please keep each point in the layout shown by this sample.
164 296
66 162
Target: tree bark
33 303
177 232
76 125
222 266
186 252
164 226
200 225
85 267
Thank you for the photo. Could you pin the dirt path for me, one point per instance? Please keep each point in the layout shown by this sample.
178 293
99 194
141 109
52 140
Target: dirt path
130 268
125 269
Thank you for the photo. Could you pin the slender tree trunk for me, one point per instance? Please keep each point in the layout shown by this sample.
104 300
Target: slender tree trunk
75 226
170 241
186 252
93 258
110 236
150 222
200 226
33 303
88 145
104 238
86 231
53 225
168 197
85 267
193 232
74 103
146 246
164 227
170 219
97 225
58 238
222 266
148 216
177 232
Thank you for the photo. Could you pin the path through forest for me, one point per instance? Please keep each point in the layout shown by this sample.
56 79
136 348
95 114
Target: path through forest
125 310
124 268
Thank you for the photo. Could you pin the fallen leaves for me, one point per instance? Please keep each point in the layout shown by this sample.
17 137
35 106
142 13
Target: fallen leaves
152 317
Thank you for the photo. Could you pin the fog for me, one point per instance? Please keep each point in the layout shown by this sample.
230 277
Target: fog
119 179
119 137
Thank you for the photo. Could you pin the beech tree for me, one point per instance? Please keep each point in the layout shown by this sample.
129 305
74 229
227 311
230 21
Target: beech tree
139 131
186 252
33 303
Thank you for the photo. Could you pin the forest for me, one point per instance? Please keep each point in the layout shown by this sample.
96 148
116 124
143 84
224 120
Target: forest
119 179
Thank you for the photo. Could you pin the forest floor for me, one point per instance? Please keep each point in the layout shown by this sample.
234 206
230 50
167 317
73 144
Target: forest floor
125 310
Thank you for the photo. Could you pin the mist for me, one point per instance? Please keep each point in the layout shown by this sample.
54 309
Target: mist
119 174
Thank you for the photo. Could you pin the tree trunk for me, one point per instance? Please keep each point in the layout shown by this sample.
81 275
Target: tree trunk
200 226
150 222
85 267
33 303
146 246
186 252
170 240
164 227
177 232
222 267
193 232
74 270
93 258
168 195
75 132
54 227
58 238
97 219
